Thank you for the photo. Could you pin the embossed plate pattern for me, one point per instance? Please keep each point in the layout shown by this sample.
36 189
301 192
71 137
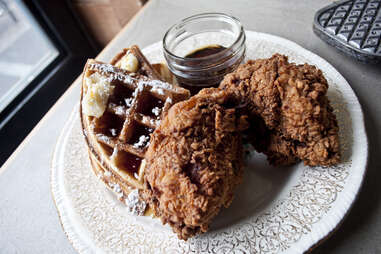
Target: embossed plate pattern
276 210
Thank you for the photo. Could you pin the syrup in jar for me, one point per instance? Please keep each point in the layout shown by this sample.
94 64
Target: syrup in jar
207 65
206 51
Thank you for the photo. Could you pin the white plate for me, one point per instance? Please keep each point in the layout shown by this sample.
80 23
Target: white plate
276 210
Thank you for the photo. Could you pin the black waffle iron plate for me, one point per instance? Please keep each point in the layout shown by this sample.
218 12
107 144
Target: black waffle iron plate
353 27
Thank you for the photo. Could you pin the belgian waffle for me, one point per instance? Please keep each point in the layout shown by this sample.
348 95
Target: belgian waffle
124 192
118 133
158 71
121 60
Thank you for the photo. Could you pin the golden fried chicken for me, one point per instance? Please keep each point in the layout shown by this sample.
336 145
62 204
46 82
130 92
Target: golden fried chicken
194 162
290 112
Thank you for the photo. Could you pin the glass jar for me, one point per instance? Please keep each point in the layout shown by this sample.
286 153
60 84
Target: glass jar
204 31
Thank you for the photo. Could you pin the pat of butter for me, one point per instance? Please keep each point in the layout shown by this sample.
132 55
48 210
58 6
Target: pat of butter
129 62
94 103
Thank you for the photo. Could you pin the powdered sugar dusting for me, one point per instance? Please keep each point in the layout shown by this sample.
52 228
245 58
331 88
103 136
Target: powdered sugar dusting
103 138
128 101
158 90
116 188
134 204
169 100
143 142
140 82
113 132
156 111
119 110
103 68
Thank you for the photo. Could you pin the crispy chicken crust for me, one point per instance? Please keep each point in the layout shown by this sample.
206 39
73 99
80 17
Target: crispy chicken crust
194 162
291 118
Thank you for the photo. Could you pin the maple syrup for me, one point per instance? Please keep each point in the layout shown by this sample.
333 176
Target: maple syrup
206 51
203 67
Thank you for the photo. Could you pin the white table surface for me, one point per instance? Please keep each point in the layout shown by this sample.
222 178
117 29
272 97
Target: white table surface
29 221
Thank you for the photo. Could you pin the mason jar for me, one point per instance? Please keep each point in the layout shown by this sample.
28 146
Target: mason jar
202 49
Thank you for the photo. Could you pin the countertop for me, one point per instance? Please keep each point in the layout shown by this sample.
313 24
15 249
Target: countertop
28 218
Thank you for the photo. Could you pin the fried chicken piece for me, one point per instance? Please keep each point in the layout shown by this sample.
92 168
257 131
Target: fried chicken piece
194 162
290 112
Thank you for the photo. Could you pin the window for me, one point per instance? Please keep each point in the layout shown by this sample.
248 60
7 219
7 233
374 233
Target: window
42 50
25 50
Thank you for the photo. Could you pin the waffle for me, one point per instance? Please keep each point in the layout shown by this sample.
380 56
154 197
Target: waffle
118 130
158 71
123 191
121 60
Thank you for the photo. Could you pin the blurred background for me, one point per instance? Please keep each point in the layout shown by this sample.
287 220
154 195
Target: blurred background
43 47
103 19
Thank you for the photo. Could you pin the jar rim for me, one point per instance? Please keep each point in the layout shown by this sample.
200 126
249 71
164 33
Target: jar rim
203 15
